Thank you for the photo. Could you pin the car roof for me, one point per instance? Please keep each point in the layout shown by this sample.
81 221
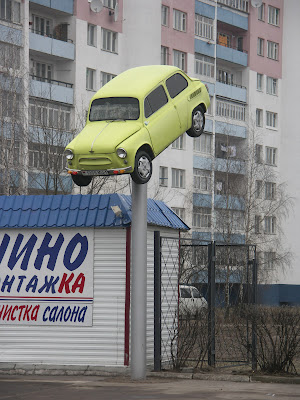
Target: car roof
136 82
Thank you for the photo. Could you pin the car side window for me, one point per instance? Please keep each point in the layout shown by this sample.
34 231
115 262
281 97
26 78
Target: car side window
155 100
176 84
185 293
196 293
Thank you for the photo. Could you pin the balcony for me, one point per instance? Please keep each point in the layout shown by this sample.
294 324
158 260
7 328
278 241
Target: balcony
202 200
61 48
231 130
65 6
230 166
232 54
202 163
231 91
51 89
241 5
10 35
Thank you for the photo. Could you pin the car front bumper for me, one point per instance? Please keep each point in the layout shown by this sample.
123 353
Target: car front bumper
100 172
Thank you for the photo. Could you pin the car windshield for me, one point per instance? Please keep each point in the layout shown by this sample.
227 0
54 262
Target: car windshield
115 108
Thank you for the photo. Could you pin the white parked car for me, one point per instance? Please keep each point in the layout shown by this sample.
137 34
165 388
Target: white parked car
190 300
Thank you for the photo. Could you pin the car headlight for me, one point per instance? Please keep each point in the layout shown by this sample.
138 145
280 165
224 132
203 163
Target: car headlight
69 154
121 153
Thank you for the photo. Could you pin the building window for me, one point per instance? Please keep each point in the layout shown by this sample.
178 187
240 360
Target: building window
271 155
179 59
179 211
269 259
10 106
204 65
106 77
203 143
258 189
110 3
231 110
178 143
178 178
202 218
271 119
10 11
109 41
165 15
41 26
179 20
202 180
260 46
259 117
225 77
270 225
204 27
272 85
164 55
41 71
259 82
259 153
270 190
273 16
163 176
49 115
90 79
92 35
273 49
10 55
224 40
261 12
257 224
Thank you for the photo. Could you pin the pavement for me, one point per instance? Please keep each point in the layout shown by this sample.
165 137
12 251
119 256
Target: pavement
154 387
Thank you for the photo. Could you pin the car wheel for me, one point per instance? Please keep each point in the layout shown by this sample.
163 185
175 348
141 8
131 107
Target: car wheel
142 168
81 180
198 122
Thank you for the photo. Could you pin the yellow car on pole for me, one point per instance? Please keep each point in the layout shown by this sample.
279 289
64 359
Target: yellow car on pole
132 119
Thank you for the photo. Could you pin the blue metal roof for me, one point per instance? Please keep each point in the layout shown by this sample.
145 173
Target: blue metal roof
79 211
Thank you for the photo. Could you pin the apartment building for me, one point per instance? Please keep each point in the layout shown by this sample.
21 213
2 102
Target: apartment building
68 50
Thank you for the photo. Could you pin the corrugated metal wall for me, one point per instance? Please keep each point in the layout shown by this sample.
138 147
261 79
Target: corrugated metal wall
101 344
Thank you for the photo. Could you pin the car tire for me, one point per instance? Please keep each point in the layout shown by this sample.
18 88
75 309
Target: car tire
142 167
81 180
198 122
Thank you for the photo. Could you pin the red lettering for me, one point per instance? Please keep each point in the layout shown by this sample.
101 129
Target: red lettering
12 313
21 310
79 283
65 281
34 313
26 313
7 313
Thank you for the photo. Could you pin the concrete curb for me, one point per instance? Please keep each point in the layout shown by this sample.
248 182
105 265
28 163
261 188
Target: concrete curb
10 369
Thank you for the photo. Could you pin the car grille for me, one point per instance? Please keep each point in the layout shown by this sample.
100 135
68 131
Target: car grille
95 161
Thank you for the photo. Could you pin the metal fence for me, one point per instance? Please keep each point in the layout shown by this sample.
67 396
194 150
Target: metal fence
226 277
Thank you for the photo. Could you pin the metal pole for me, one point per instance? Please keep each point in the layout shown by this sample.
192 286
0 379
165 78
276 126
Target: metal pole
254 320
211 303
139 281
157 301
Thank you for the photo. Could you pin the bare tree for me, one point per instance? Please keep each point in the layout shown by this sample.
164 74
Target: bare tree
12 117
252 202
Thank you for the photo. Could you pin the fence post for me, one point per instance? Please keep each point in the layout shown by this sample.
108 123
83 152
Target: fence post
157 301
211 303
254 301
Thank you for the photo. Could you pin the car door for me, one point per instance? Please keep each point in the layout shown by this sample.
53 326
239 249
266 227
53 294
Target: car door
161 119
177 86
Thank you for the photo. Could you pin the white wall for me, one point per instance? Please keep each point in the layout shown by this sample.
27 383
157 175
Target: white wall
290 138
